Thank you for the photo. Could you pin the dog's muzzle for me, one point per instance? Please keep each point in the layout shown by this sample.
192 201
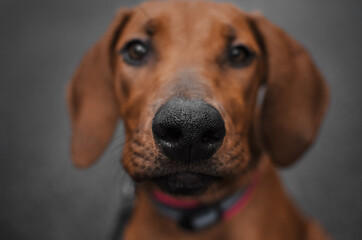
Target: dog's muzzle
188 130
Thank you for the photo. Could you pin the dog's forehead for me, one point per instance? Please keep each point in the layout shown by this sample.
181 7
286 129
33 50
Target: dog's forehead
188 10
189 18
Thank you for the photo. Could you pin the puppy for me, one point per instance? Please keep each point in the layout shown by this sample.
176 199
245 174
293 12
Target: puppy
212 100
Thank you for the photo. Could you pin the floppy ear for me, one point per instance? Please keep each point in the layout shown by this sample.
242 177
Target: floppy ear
296 95
91 99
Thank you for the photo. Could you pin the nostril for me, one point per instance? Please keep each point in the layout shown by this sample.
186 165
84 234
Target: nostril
212 136
170 134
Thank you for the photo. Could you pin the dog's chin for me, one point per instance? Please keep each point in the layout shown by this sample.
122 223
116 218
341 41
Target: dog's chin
185 183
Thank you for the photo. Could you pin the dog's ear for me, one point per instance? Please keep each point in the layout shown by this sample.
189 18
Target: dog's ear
91 98
296 95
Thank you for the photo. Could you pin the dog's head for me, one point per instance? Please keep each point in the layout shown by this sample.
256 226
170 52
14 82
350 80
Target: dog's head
185 76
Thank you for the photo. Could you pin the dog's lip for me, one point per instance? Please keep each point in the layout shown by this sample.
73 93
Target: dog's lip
186 176
185 183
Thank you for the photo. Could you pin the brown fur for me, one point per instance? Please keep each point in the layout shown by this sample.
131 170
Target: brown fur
189 39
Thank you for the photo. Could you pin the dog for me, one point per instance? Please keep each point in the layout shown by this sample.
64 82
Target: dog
213 100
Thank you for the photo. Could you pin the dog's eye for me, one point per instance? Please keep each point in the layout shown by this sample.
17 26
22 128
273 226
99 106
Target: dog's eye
135 52
240 56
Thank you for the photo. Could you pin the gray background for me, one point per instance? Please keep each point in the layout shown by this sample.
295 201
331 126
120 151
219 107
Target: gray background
42 196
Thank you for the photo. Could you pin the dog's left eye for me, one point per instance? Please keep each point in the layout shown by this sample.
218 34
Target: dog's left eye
240 56
135 52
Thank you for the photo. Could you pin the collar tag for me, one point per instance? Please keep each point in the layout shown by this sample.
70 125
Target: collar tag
201 218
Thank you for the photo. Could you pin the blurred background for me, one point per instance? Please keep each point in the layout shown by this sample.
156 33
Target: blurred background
43 197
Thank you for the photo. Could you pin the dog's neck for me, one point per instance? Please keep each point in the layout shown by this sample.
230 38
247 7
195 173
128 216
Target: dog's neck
269 214
192 215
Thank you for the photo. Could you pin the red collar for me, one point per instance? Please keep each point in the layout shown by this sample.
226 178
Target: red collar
194 216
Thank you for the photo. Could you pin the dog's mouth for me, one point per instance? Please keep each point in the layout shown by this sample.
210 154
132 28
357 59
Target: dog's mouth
185 183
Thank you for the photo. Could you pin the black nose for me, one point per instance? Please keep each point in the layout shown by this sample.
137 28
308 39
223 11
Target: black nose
188 130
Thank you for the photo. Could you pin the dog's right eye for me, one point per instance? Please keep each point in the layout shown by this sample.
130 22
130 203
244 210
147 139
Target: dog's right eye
240 56
135 52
